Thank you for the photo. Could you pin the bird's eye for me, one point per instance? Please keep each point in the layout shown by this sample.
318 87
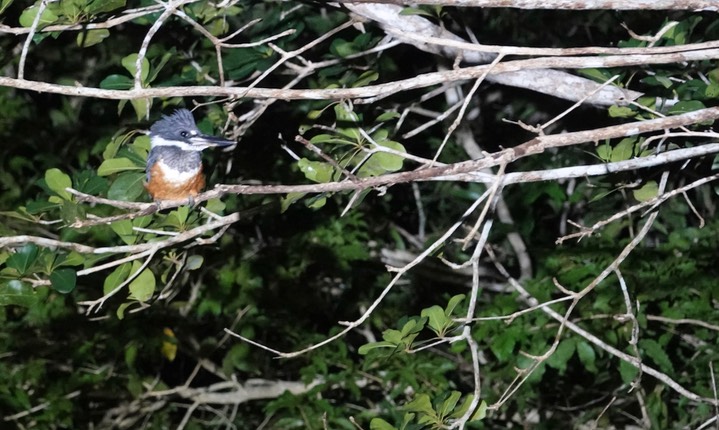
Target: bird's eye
184 134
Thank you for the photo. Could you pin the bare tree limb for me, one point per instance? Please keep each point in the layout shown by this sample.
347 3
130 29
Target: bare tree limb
709 5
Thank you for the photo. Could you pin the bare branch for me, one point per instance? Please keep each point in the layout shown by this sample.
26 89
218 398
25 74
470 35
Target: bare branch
709 5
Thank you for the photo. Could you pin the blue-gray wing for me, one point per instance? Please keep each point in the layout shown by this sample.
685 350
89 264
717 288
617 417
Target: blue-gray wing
152 158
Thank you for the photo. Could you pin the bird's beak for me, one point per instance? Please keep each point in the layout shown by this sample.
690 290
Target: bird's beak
205 141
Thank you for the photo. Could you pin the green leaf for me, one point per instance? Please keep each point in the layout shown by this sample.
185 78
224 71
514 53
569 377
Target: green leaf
712 91
480 413
95 7
317 171
116 82
448 405
4 5
389 115
390 162
116 165
143 286
414 11
366 348
380 424
621 112
23 258
686 106
656 352
624 150
17 293
562 354
422 404
453 302
117 277
57 181
127 187
121 310
142 107
63 280
587 355
627 371
92 37
194 262
28 16
604 151
365 78
647 192
437 320
503 345
130 64
123 228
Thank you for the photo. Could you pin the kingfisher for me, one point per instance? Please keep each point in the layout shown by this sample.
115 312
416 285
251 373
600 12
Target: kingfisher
174 165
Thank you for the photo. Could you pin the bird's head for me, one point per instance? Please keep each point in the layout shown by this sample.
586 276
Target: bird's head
179 130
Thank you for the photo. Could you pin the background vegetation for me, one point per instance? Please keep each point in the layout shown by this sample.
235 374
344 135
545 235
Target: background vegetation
357 270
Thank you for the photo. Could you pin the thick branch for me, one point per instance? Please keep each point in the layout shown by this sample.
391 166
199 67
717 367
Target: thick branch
710 5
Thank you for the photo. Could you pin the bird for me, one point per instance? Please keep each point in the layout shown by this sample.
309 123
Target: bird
174 164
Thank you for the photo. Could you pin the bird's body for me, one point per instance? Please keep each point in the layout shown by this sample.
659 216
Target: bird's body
174 165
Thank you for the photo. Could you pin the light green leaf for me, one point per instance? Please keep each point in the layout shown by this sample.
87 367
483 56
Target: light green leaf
621 112
4 5
102 6
421 403
453 302
116 165
366 348
317 171
437 320
143 286
604 151
624 150
380 424
57 181
117 277
92 37
28 16
194 262
389 115
142 107
449 404
130 64
647 192
123 228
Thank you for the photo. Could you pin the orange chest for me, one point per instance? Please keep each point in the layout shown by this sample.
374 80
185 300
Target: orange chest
166 183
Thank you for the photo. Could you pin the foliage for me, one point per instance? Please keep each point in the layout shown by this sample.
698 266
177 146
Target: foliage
99 334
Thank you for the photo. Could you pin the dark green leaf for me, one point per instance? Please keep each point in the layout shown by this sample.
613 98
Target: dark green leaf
63 280
17 293
23 258
116 82
656 352
686 106
127 187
